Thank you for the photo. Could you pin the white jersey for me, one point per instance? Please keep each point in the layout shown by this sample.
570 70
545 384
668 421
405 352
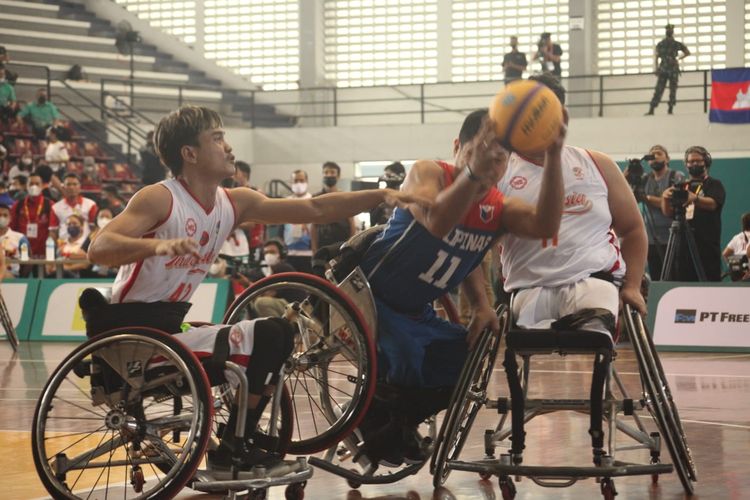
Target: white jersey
585 244
174 279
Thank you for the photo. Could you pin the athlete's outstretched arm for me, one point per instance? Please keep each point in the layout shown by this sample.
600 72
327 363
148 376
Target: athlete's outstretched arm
542 220
327 208
480 164
121 242
628 225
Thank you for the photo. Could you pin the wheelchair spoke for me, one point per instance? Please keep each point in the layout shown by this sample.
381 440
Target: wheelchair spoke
87 410
88 460
109 461
73 444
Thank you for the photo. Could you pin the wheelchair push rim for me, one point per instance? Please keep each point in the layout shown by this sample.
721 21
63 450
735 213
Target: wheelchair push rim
468 397
659 400
331 375
145 432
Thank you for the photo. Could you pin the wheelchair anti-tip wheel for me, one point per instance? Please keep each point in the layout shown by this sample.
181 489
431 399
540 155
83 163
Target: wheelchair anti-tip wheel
331 374
468 397
659 399
127 412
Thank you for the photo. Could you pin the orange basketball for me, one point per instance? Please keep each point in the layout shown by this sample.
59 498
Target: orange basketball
527 115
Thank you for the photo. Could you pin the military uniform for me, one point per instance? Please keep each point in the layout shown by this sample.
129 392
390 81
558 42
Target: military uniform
669 70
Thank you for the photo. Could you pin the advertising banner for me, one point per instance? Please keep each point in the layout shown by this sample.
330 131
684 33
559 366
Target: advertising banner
58 316
697 316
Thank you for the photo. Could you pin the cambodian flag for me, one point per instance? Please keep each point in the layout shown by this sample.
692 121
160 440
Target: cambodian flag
730 95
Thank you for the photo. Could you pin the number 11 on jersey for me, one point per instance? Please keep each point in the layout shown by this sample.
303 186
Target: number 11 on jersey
441 282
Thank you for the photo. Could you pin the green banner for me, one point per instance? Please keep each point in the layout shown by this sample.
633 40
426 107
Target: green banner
20 299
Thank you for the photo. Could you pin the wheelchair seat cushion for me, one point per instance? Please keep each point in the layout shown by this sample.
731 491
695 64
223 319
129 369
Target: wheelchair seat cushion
558 340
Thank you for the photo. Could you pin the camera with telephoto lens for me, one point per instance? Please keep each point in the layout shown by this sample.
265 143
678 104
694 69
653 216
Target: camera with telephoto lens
738 267
635 176
679 196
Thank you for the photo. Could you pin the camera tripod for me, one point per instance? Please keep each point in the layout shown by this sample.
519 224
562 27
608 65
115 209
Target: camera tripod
681 238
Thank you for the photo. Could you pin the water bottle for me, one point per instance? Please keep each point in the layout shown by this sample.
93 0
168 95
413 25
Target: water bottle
24 250
49 249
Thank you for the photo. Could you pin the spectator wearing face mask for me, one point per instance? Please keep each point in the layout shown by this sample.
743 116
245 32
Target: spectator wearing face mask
31 216
335 232
51 185
73 203
72 247
103 218
18 187
41 114
273 304
56 153
10 241
393 176
24 166
297 236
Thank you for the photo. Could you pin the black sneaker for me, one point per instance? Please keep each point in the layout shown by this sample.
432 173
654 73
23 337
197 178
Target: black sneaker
413 449
247 457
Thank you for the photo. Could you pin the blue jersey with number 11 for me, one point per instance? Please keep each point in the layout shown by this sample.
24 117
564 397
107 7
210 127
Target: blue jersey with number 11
408 267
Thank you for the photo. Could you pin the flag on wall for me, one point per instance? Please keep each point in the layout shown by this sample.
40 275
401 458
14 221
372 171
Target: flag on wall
730 95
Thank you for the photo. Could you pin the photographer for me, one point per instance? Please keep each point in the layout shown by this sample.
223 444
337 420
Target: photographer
548 54
702 198
737 251
649 192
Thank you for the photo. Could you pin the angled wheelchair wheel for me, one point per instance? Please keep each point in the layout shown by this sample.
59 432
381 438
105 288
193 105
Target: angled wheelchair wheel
468 397
659 399
331 374
126 415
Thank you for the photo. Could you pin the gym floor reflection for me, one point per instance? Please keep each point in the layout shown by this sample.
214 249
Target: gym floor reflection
712 392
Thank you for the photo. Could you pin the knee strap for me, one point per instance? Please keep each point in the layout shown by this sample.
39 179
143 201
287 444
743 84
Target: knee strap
214 366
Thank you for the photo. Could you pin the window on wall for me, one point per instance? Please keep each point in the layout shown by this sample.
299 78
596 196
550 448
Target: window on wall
481 32
628 32
380 42
747 33
258 39
175 18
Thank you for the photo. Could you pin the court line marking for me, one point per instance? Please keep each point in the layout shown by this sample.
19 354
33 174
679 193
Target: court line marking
585 372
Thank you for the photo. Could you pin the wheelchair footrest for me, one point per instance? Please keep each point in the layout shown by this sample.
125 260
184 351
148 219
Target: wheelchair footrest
387 478
616 469
289 472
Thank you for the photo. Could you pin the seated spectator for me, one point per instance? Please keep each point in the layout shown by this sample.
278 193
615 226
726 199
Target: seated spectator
740 242
72 203
274 253
112 200
10 242
41 114
103 218
24 166
51 185
31 216
18 187
7 98
56 153
5 197
72 247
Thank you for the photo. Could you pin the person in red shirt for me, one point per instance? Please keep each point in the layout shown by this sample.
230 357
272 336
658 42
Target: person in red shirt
31 216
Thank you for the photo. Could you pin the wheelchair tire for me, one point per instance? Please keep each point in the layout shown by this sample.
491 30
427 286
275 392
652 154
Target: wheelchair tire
157 408
332 373
659 400
463 409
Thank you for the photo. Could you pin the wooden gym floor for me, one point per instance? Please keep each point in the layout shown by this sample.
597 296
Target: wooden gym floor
712 392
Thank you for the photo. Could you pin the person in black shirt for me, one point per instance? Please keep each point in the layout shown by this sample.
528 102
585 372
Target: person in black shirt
335 232
514 62
393 176
548 55
703 212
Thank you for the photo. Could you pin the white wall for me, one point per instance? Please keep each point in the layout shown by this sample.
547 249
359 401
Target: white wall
275 153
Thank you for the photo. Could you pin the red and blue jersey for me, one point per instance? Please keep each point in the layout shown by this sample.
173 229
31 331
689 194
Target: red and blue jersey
408 267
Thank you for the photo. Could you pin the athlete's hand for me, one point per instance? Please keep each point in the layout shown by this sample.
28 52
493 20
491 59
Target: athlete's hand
485 155
401 199
632 296
178 246
482 318
559 142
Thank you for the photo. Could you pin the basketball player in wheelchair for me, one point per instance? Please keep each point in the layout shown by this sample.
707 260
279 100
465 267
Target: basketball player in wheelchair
567 293
164 243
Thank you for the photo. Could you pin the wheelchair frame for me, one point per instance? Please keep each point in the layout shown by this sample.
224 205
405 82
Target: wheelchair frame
656 398
144 435
7 323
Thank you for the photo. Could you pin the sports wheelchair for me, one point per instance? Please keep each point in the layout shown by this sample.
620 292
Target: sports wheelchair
331 375
471 394
130 414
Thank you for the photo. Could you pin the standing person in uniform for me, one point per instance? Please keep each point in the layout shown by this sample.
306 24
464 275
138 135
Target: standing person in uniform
424 253
514 62
169 235
582 265
667 69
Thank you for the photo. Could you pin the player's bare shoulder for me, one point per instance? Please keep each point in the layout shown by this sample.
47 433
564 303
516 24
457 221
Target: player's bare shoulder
423 173
155 200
